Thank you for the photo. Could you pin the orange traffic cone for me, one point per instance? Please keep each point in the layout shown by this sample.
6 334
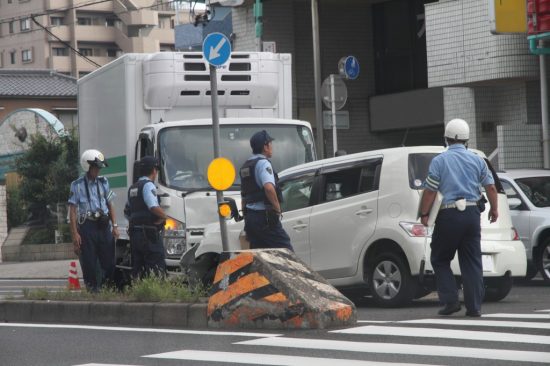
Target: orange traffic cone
74 284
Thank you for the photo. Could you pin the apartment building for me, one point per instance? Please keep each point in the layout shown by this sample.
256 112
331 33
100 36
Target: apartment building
45 34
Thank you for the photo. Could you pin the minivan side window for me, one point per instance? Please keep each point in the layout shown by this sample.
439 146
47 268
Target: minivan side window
350 181
511 193
296 192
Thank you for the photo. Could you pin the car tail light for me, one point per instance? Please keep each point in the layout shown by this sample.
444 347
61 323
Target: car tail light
415 229
515 235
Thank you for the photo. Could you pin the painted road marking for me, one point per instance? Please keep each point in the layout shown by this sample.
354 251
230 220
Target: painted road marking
517 316
263 359
404 349
103 364
446 333
480 323
543 311
375 321
144 330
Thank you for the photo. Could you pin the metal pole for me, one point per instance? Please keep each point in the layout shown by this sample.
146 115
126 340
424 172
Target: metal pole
544 109
317 78
216 135
333 110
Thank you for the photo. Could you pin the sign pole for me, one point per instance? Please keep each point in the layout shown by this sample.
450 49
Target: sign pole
333 108
216 136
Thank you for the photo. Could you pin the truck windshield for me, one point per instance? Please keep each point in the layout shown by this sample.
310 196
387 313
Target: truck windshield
186 152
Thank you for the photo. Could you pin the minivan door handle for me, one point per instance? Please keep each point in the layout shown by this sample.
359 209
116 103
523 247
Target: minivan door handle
299 227
364 211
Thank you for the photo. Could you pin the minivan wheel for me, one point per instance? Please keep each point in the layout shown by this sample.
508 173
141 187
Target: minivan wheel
498 288
390 281
543 260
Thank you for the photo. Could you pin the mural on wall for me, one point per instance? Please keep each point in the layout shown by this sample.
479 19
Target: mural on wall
16 131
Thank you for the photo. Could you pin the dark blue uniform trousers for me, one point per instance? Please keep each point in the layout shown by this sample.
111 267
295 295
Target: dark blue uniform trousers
458 231
97 254
147 252
261 235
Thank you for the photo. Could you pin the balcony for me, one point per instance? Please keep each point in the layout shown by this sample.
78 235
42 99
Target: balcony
95 33
164 36
61 63
60 31
64 4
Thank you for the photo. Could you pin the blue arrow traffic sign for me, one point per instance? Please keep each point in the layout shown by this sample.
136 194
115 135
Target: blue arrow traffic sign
216 49
349 67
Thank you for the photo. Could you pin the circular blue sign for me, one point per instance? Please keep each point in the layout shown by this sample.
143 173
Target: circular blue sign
216 49
349 67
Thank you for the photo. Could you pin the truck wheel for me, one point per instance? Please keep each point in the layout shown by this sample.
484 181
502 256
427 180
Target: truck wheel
390 281
498 289
543 260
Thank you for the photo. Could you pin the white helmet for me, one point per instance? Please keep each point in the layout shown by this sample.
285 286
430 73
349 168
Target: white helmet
457 129
92 158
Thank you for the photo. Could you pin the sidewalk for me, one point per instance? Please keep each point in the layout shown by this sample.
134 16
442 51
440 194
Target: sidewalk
58 269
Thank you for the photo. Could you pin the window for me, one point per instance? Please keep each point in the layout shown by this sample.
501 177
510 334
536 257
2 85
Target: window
86 51
112 52
84 21
347 182
25 24
511 193
12 57
10 1
26 55
57 21
60 51
110 22
297 192
11 27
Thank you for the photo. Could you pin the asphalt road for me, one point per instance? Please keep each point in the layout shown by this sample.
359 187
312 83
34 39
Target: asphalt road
515 331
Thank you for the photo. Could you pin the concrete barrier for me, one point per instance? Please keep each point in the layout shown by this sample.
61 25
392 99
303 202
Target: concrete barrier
272 288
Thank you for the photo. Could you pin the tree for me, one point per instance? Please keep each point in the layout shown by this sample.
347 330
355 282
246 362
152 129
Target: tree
46 171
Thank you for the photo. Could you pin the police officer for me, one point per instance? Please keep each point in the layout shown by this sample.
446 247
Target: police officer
261 197
146 222
91 214
458 174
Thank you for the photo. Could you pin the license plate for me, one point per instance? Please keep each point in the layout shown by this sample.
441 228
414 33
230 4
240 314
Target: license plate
487 261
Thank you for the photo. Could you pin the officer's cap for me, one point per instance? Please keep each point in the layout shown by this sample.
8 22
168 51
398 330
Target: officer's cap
259 139
148 162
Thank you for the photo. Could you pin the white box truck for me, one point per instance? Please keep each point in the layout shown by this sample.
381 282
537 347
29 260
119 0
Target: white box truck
160 104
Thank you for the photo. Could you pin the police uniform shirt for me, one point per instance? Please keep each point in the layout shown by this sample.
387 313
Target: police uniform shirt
458 173
79 196
150 194
263 174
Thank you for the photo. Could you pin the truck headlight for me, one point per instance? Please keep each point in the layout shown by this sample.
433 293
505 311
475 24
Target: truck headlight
174 238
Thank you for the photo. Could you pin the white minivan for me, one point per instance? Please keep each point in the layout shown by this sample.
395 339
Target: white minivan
353 219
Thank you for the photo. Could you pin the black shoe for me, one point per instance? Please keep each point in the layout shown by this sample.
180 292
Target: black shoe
448 309
473 313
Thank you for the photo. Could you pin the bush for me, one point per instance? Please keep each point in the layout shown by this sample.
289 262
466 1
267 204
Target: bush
17 212
40 235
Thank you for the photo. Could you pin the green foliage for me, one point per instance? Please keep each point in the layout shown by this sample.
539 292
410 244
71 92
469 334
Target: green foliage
47 170
15 207
148 289
40 235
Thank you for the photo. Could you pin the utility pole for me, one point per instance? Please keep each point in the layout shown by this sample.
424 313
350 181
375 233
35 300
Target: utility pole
317 78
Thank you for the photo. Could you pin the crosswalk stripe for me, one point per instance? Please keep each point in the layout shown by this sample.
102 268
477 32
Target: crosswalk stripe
375 321
446 333
480 323
543 311
143 330
518 316
404 349
264 359
103 364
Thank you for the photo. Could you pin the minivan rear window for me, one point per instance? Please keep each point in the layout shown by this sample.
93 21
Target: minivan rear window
418 168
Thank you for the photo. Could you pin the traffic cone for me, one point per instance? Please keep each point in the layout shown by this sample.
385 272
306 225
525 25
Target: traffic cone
74 283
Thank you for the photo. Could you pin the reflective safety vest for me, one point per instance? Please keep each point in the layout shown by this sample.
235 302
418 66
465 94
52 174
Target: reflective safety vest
250 191
139 212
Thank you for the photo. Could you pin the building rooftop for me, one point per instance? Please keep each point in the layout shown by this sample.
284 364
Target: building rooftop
36 83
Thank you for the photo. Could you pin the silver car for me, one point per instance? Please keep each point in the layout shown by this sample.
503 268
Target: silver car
528 192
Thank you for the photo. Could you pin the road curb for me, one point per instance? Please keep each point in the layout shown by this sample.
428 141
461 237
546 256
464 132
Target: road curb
188 315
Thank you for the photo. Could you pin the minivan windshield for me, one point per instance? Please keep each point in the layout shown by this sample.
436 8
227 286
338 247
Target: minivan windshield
186 151
537 190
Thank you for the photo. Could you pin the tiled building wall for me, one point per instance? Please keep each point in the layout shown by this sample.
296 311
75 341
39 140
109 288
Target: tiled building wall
519 146
460 103
243 28
461 49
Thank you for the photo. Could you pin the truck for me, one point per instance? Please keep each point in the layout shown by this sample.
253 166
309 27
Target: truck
160 104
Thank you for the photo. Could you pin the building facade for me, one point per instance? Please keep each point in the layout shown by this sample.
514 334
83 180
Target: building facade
100 32
423 62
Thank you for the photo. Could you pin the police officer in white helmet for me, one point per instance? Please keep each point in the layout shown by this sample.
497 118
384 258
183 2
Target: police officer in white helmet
458 174
93 221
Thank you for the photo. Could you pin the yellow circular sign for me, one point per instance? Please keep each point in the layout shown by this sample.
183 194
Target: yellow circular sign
221 174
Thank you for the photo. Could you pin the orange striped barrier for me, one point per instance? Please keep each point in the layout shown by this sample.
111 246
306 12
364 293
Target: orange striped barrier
272 288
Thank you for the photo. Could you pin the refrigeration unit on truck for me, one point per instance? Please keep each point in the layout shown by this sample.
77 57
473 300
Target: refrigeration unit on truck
160 104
